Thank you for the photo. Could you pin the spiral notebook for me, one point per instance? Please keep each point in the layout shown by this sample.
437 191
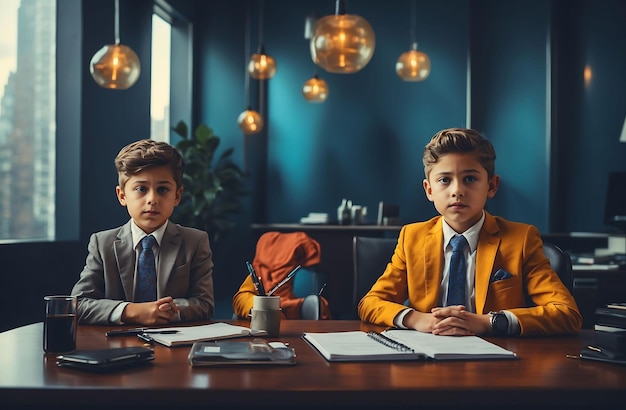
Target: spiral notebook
401 344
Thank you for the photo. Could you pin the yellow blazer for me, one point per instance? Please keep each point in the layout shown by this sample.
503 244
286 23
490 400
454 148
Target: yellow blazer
416 268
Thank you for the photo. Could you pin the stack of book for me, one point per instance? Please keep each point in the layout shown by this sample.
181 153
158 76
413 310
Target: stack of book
585 261
610 333
315 218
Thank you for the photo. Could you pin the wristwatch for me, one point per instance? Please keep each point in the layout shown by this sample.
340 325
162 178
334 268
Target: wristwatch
499 323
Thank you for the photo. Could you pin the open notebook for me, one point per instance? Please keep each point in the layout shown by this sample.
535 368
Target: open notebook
188 335
400 344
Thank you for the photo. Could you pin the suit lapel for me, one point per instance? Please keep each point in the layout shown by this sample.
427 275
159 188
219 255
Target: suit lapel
433 252
170 246
125 258
489 242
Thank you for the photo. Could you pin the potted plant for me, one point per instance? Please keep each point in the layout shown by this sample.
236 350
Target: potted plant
211 194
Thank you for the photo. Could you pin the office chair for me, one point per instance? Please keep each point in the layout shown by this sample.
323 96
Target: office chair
311 308
307 283
561 263
370 258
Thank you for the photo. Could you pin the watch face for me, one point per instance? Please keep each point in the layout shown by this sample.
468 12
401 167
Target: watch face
500 323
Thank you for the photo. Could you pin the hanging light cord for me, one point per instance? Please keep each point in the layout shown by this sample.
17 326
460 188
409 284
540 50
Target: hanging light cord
261 15
340 8
413 25
245 60
117 21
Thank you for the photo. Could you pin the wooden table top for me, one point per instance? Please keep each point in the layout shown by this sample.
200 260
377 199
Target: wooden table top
543 376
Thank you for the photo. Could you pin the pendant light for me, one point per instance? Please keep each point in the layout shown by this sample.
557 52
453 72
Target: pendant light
413 65
342 43
249 120
115 66
262 66
315 90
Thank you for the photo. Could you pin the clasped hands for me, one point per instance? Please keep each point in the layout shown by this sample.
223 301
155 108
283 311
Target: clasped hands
159 312
449 321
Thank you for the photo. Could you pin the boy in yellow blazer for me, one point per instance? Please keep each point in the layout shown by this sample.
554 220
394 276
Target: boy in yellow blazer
509 289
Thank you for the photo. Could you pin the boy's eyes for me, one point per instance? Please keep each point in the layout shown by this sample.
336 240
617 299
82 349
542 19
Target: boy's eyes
160 190
466 179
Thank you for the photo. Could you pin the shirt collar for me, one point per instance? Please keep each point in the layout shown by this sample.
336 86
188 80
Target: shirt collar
138 234
471 235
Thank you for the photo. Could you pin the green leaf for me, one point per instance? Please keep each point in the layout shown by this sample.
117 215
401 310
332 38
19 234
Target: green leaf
211 192
181 129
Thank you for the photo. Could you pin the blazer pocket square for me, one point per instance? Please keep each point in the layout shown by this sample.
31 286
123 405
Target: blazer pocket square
500 275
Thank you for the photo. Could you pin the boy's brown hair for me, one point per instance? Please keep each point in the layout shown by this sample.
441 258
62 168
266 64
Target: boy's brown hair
459 140
144 154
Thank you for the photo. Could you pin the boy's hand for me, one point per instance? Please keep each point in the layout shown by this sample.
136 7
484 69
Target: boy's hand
422 322
159 312
456 321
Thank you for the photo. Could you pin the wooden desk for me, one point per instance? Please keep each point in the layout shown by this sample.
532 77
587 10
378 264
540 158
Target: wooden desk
336 244
542 377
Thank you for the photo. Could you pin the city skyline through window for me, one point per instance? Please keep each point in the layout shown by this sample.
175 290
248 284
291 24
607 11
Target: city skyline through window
27 119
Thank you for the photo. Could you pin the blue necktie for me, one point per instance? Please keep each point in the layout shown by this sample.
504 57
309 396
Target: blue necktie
146 269
458 272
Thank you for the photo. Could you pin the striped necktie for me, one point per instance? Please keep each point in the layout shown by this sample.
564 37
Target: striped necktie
458 272
146 269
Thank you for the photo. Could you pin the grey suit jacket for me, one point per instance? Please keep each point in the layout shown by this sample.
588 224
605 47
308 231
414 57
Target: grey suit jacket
185 272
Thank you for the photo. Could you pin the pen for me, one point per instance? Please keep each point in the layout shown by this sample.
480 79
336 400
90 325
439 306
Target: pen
282 282
132 332
321 290
255 279
146 338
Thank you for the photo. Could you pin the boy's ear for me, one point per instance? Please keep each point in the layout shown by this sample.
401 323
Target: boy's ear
119 192
428 189
494 183
179 195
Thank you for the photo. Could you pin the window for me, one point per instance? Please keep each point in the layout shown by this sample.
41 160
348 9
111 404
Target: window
27 119
160 94
172 45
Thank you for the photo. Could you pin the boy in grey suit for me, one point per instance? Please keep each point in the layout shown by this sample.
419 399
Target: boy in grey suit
150 177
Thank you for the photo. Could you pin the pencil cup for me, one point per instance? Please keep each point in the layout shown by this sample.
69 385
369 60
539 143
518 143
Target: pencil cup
268 320
266 302
59 326
266 314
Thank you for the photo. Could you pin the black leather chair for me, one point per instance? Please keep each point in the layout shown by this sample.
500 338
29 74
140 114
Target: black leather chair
307 284
370 258
561 263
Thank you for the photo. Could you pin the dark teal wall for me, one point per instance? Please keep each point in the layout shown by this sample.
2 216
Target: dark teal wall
590 116
365 142
552 133
509 102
